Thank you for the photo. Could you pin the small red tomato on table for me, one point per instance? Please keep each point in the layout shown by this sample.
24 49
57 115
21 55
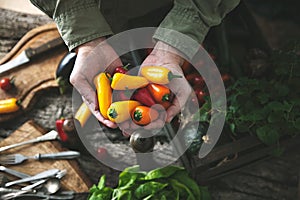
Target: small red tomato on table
6 83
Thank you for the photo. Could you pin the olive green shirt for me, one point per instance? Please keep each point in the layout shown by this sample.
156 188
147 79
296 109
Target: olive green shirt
80 21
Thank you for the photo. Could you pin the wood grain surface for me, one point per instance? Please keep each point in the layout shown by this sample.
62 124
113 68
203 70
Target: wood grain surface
37 75
74 180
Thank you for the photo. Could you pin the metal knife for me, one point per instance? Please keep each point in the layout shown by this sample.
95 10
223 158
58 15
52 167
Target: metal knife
42 175
30 53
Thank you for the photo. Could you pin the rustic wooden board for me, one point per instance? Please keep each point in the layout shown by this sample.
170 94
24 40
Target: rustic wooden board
35 76
75 179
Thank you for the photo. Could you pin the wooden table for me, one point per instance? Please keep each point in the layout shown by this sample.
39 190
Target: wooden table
276 178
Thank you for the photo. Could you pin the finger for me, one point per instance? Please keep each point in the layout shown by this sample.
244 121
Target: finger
173 110
158 123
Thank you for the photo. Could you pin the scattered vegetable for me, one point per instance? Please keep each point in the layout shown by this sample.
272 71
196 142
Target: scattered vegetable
69 126
201 94
83 113
9 105
102 153
143 115
125 82
6 83
59 127
120 111
104 92
158 74
195 79
140 141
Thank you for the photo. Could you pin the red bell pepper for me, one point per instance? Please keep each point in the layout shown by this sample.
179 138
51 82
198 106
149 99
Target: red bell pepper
143 96
59 127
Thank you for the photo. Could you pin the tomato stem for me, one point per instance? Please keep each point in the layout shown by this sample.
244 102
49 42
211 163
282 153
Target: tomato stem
126 66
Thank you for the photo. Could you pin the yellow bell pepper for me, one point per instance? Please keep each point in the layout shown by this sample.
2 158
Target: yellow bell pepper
9 105
104 92
158 74
83 113
126 82
120 111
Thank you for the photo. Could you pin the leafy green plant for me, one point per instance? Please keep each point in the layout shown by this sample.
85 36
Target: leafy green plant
268 106
171 182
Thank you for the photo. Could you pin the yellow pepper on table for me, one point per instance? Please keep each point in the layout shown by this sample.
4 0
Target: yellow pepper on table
9 105
120 111
104 92
158 74
126 82
83 113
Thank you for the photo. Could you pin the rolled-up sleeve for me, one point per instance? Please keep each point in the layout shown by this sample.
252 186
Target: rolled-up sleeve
78 21
189 21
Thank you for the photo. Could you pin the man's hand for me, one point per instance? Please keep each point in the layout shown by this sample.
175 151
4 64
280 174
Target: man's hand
92 58
168 57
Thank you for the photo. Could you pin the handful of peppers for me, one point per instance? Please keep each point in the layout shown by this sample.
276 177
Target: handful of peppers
122 96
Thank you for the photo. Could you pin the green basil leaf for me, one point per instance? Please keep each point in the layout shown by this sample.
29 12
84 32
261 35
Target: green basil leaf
164 172
149 188
130 176
101 183
267 134
184 178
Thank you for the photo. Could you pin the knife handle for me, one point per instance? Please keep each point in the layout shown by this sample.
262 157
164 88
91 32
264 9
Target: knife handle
33 52
59 155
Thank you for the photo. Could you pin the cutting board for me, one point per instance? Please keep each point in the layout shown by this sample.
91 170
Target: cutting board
74 180
35 77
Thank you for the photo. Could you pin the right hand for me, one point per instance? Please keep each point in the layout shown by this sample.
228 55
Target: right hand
92 58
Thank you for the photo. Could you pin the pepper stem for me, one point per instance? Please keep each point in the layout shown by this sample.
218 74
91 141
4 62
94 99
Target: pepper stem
165 97
137 115
171 76
108 77
113 113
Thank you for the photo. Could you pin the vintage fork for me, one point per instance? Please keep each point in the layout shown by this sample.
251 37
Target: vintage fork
19 158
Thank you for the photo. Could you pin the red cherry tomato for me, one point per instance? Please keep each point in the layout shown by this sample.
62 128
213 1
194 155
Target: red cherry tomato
196 80
102 153
200 93
121 69
6 84
226 77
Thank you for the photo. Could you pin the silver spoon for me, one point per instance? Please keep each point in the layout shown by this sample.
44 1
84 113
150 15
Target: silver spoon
52 185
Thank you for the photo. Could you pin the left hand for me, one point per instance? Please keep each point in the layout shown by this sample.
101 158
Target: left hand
168 57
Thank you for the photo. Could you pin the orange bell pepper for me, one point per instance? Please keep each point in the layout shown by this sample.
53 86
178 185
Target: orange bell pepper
143 115
160 93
